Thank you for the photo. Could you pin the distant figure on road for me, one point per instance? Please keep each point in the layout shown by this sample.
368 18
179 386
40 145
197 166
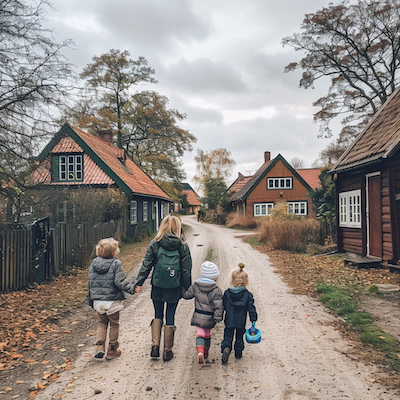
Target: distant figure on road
107 282
208 307
238 301
199 215
170 257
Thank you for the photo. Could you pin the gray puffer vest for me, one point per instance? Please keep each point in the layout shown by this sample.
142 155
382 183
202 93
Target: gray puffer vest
208 306
107 280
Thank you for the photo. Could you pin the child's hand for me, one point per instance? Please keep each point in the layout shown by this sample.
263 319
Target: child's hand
138 289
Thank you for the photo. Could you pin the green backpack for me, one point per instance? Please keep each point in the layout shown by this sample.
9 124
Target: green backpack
167 271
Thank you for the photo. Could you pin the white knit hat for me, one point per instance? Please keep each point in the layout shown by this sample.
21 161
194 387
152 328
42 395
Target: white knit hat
209 270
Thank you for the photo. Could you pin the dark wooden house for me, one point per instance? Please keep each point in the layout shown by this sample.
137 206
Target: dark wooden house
74 159
367 179
275 181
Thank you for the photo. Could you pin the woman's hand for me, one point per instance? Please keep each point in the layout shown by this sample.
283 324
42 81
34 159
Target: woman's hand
138 289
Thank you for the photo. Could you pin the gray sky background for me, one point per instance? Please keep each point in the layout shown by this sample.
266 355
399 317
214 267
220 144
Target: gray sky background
221 62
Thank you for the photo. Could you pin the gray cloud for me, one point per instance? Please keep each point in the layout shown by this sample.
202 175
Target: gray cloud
205 75
221 63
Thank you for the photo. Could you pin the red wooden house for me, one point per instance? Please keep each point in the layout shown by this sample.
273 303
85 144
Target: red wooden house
367 179
275 181
74 158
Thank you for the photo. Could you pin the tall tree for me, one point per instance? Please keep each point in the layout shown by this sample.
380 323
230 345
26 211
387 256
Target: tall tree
143 124
214 190
153 138
112 77
356 44
216 164
297 163
35 80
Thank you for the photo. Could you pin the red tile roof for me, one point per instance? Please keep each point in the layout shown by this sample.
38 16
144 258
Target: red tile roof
239 183
120 168
191 198
311 176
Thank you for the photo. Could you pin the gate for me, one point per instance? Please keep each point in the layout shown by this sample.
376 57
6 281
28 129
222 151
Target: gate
41 249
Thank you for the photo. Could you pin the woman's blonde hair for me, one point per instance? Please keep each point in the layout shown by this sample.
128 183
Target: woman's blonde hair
170 224
107 248
239 277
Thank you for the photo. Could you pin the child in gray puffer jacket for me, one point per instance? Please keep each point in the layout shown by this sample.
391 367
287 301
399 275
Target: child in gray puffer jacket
208 305
107 282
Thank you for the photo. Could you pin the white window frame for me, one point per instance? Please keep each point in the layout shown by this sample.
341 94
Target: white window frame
133 212
71 167
164 209
262 209
280 183
297 208
145 212
350 209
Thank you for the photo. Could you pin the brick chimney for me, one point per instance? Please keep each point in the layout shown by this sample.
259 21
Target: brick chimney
106 135
267 156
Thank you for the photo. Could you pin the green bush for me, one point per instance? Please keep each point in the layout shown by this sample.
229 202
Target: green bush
142 232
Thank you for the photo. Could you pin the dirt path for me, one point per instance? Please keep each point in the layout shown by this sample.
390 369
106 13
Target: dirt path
300 356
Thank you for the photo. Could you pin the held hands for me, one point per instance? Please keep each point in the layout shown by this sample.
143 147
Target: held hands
138 289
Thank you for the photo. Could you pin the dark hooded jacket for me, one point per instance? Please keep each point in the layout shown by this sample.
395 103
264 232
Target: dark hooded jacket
238 302
107 280
208 307
168 242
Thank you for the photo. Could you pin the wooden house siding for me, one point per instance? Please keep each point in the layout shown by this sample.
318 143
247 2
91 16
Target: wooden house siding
261 193
249 191
350 239
355 239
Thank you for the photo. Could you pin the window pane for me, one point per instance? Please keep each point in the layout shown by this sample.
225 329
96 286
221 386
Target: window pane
276 183
282 183
288 183
257 209
263 209
270 183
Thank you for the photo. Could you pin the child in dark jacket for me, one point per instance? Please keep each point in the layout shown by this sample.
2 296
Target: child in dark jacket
107 282
208 307
238 302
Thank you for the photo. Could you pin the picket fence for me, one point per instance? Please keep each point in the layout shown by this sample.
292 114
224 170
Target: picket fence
37 252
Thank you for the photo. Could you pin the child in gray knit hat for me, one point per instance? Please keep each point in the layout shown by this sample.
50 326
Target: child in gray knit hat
208 307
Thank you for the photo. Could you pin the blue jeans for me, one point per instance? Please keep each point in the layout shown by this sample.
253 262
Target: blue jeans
228 338
169 314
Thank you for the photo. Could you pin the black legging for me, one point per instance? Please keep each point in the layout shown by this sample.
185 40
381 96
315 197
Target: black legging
169 314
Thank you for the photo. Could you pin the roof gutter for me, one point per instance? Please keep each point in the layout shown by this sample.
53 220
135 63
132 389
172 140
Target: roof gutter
355 166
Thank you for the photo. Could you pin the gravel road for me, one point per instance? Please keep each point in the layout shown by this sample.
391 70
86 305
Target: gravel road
300 356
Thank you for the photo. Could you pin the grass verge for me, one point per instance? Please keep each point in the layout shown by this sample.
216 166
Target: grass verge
210 253
340 300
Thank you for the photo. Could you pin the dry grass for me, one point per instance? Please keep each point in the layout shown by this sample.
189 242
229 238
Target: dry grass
238 220
284 231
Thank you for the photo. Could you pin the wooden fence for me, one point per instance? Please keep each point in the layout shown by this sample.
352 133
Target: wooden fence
38 252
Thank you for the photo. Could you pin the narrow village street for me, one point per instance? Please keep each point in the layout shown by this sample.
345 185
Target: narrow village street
300 356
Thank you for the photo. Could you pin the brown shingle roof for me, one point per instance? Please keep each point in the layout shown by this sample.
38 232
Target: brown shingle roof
239 183
378 140
250 182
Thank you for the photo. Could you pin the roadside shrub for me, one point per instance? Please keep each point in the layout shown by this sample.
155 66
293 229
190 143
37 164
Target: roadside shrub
142 232
238 220
287 234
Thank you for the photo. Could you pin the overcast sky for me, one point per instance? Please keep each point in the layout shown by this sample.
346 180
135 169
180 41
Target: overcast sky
221 62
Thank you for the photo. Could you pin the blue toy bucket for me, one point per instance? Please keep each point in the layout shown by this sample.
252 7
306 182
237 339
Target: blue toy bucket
253 335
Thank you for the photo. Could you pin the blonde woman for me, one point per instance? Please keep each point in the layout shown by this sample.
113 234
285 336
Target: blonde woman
169 258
